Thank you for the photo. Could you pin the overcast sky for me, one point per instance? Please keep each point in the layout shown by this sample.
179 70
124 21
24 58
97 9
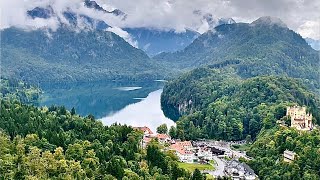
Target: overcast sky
300 15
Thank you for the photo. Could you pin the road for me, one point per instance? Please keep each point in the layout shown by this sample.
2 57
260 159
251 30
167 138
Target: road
219 167
220 163
219 171
226 147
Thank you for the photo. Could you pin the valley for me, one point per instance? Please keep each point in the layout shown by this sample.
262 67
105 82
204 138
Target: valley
168 91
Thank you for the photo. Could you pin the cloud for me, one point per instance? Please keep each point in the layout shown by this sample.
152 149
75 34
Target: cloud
178 15
14 13
124 34
310 29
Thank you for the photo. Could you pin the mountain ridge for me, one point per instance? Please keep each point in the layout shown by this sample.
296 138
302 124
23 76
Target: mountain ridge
87 55
266 49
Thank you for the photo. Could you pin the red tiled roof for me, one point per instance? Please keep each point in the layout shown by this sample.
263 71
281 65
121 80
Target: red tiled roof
185 143
180 149
144 129
162 136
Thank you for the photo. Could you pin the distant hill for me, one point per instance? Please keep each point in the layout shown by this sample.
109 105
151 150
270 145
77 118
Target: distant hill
264 47
154 41
315 44
66 55
217 103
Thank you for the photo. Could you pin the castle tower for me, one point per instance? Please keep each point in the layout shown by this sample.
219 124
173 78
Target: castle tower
300 119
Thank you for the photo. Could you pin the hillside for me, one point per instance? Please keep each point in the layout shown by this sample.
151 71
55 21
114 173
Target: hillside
264 47
268 149
66 55
216 103
54 143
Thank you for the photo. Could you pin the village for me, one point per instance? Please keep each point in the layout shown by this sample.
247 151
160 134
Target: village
221 155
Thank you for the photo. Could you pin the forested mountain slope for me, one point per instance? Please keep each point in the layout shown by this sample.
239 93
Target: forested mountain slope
216 103
66 55
268 149
264 47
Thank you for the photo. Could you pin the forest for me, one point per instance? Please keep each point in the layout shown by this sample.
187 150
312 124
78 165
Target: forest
35 56
211 103
268 149
54 143
12 89
254 49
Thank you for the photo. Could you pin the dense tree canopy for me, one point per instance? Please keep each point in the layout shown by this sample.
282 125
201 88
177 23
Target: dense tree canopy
53 143
216 104
162 129
268 149
11 89
254 49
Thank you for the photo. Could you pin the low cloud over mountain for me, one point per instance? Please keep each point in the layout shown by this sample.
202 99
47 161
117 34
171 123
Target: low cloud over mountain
178 15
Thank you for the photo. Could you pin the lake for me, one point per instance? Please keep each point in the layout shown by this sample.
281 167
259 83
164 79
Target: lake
131 103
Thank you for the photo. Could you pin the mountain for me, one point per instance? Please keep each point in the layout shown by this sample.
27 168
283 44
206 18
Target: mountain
74 20
154 41
96 6
315 44
213 22
66 55
218 104
264 47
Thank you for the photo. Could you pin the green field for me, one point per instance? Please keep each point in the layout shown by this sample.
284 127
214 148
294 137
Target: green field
192 167
209 177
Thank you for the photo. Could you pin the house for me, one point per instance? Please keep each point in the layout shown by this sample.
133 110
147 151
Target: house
147 135
146 131
184 151
145 141
239 171
183 154
185 144
300 119
163 138
289 156
204 153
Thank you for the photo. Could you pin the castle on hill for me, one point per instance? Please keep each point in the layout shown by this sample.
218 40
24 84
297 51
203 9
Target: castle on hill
300 119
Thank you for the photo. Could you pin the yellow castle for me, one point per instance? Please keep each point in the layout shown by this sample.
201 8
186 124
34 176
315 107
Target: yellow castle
300 119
